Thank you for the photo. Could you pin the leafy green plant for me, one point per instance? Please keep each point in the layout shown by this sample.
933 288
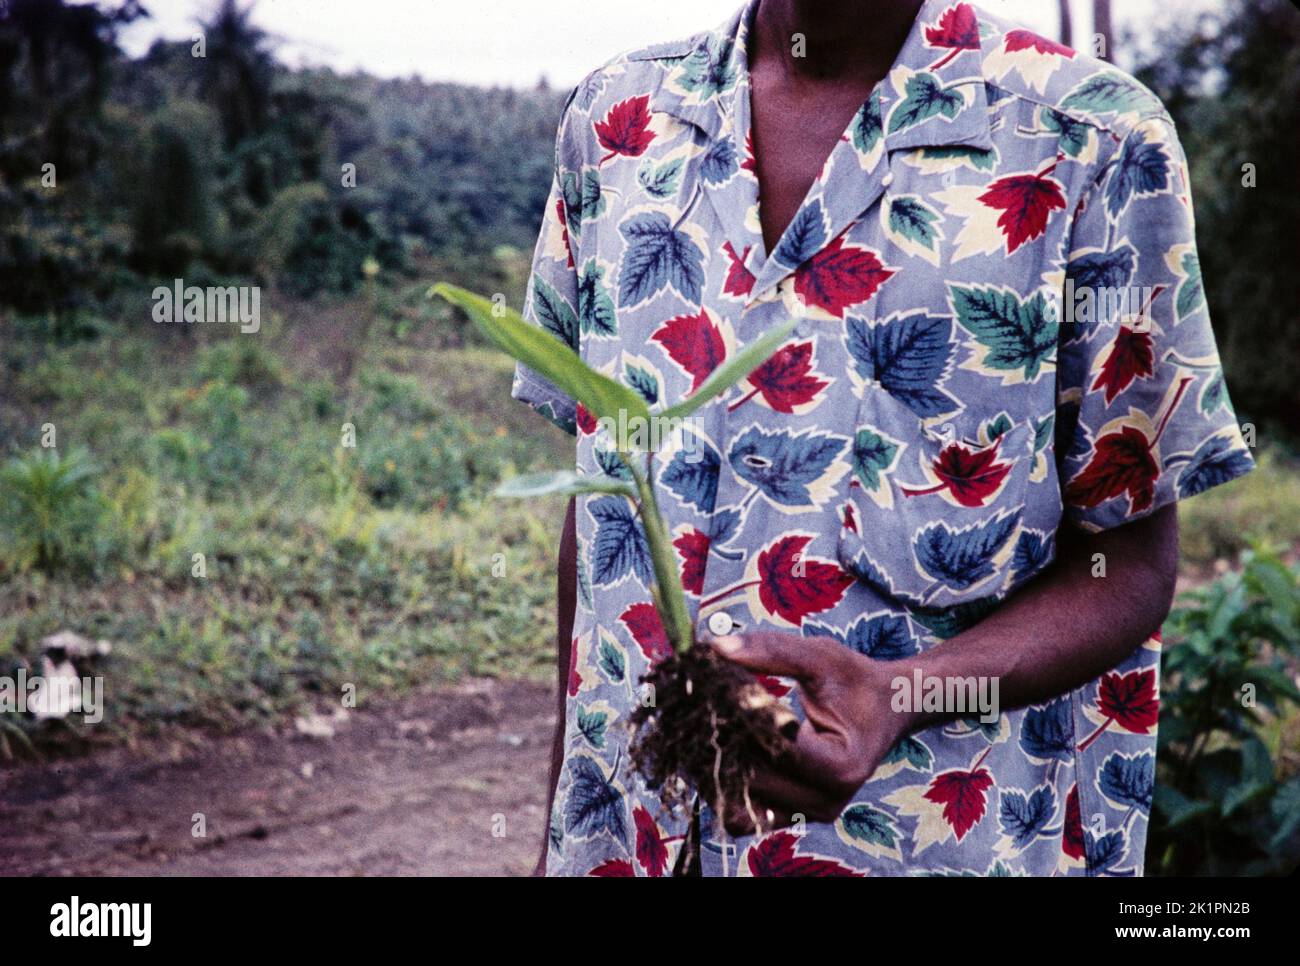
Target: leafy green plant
1221 807
605 398
711 725
48 503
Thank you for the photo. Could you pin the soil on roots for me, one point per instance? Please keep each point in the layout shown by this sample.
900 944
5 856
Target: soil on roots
710 726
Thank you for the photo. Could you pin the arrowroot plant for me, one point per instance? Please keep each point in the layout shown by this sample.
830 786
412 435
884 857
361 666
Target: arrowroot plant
707 724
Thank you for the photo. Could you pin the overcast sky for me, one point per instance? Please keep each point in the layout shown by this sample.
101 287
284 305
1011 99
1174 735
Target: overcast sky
518 41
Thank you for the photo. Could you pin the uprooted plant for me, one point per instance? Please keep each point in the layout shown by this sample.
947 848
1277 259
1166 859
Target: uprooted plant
706 724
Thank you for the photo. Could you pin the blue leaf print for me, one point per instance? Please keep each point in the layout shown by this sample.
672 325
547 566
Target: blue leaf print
1105 852
723 527
692 474
1215 462
804 237
909 356
885 637
585 93
1033 551
871 573
1129 781
658 256
1047 732
1024 818
1141 171
782 464
1099 270
593 805
620 547
719 163
960 559
555 314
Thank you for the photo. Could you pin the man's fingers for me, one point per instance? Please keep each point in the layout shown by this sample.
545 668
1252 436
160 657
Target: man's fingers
814 758
806 659
775 800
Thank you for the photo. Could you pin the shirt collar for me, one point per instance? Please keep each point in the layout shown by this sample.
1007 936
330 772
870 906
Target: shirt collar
709 86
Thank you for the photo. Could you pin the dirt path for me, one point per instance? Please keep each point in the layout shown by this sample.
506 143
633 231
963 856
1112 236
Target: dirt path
416 788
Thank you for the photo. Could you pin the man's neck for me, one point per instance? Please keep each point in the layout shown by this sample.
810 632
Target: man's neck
841 39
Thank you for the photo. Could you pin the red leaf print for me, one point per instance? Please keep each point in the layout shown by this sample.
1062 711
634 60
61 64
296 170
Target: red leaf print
575 679
614 869
651 851
961 793
1130 700
957 29
1121 463
840 276
850 517
694 343
1130 357
785 380
775 856
643 623
971 476
585 420
1026 200
739 280
694 549
793 586
625 129
1017 40
1072 833
564 231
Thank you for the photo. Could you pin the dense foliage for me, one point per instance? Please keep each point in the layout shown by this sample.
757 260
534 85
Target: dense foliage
230 165
1221 805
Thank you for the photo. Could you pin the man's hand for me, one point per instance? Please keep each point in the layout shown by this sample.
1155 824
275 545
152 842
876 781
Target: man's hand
1070 625
848 730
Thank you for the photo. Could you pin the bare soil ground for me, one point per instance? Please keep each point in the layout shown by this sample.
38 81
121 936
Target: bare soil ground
443 783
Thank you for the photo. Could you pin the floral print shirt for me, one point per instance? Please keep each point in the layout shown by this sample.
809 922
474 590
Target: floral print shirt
1001 330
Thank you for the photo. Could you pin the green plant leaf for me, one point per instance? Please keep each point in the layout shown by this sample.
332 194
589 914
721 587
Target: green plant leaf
734 369
546 355
564 482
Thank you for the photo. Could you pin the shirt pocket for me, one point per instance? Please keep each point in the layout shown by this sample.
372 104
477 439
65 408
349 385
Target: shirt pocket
931 514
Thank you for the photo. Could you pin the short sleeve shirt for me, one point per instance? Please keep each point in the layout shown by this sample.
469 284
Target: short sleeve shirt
1001 331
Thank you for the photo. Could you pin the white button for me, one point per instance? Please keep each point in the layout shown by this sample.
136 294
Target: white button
802 330
888 179
720 622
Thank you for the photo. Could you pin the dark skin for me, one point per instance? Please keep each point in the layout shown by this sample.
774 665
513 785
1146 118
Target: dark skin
801 105
1063 630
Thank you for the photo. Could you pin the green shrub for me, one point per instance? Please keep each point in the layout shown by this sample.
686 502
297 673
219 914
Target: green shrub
217 413
49 509
240 361
1221 807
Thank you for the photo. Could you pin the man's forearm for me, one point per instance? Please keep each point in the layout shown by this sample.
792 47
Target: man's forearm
1069 626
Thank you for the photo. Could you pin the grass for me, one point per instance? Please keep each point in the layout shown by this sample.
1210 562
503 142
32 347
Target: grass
382 565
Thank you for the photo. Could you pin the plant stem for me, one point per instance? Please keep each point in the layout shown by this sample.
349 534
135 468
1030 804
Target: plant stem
670 599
